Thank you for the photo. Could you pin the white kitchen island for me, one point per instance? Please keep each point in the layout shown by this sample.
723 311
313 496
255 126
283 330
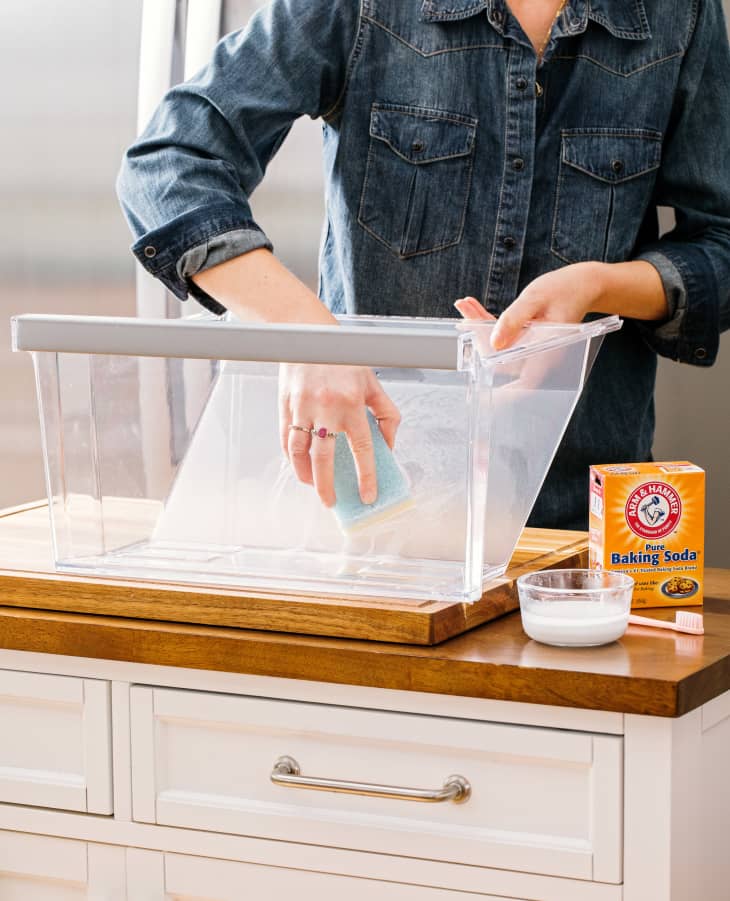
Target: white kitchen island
136 762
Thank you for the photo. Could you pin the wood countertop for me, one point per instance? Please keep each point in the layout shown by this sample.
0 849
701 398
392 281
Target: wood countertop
650 672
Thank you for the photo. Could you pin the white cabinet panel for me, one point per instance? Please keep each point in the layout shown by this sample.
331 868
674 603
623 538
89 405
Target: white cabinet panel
56 742
543 801
39 868
178 877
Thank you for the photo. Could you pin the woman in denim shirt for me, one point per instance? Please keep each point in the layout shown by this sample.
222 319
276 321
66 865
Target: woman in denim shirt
508 155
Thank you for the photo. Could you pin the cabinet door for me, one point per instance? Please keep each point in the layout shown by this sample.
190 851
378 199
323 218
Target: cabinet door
56 742
543 801
41 868
155 876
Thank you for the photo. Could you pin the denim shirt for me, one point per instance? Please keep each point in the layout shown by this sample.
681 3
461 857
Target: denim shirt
456 164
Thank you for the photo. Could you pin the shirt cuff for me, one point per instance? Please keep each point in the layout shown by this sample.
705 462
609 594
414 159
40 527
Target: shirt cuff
691 334
164 251
676 293
218 249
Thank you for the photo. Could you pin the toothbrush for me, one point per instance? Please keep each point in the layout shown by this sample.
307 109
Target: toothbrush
684 622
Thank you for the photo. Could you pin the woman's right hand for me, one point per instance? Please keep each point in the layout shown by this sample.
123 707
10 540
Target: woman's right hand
256 287
334 398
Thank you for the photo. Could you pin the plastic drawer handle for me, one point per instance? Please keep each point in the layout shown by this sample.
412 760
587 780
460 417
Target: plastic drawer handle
286 772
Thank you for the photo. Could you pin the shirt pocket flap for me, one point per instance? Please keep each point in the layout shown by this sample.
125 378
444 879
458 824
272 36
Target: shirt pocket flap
613 156
421 135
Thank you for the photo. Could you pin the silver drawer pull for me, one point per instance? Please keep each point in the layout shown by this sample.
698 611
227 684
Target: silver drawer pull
287 772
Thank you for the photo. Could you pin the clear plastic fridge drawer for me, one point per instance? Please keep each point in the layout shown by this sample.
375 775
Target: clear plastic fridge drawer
163 459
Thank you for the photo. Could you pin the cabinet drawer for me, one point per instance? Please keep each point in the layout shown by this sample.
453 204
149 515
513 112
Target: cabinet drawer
56 742
41 868
542 801
201 879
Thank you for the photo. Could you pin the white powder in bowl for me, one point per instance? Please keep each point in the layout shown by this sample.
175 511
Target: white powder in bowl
574 623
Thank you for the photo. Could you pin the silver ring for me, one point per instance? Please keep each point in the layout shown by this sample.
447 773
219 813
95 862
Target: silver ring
322 432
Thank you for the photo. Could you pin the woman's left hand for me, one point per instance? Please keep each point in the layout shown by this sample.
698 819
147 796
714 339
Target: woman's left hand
563 295
632 289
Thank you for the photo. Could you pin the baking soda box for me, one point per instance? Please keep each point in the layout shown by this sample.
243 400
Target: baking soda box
648 521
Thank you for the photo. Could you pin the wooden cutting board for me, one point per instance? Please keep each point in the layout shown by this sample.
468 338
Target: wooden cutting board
27 579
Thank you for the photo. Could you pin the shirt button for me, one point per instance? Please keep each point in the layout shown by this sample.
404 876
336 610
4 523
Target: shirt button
509 242
521 83
701 353
418 146
538 89
150 251
518 164
496 17
617 166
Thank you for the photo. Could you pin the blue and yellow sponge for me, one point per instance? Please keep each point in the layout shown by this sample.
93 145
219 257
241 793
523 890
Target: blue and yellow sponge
393 490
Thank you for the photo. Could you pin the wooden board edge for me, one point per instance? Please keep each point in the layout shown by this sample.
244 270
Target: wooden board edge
431 626
500 600
22 508
424 623
19 590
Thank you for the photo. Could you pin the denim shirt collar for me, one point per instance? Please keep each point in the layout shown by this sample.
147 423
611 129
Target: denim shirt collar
622 18
452 10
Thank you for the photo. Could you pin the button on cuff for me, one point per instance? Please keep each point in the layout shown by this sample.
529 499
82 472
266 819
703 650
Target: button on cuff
160 250
690 332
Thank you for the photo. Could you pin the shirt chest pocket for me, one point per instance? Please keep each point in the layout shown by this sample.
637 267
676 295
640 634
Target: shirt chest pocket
605 184
417 178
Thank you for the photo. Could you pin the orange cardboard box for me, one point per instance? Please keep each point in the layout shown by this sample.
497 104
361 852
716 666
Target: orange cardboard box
648 521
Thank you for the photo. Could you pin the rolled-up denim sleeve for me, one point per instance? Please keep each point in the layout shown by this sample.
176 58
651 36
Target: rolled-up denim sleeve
185 184
693 260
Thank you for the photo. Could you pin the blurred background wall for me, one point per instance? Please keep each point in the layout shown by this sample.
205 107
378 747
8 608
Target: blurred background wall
69 72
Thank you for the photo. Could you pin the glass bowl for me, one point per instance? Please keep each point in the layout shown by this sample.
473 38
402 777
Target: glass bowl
575 607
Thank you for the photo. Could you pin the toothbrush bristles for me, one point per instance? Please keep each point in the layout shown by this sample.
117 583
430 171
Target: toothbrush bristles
690 622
